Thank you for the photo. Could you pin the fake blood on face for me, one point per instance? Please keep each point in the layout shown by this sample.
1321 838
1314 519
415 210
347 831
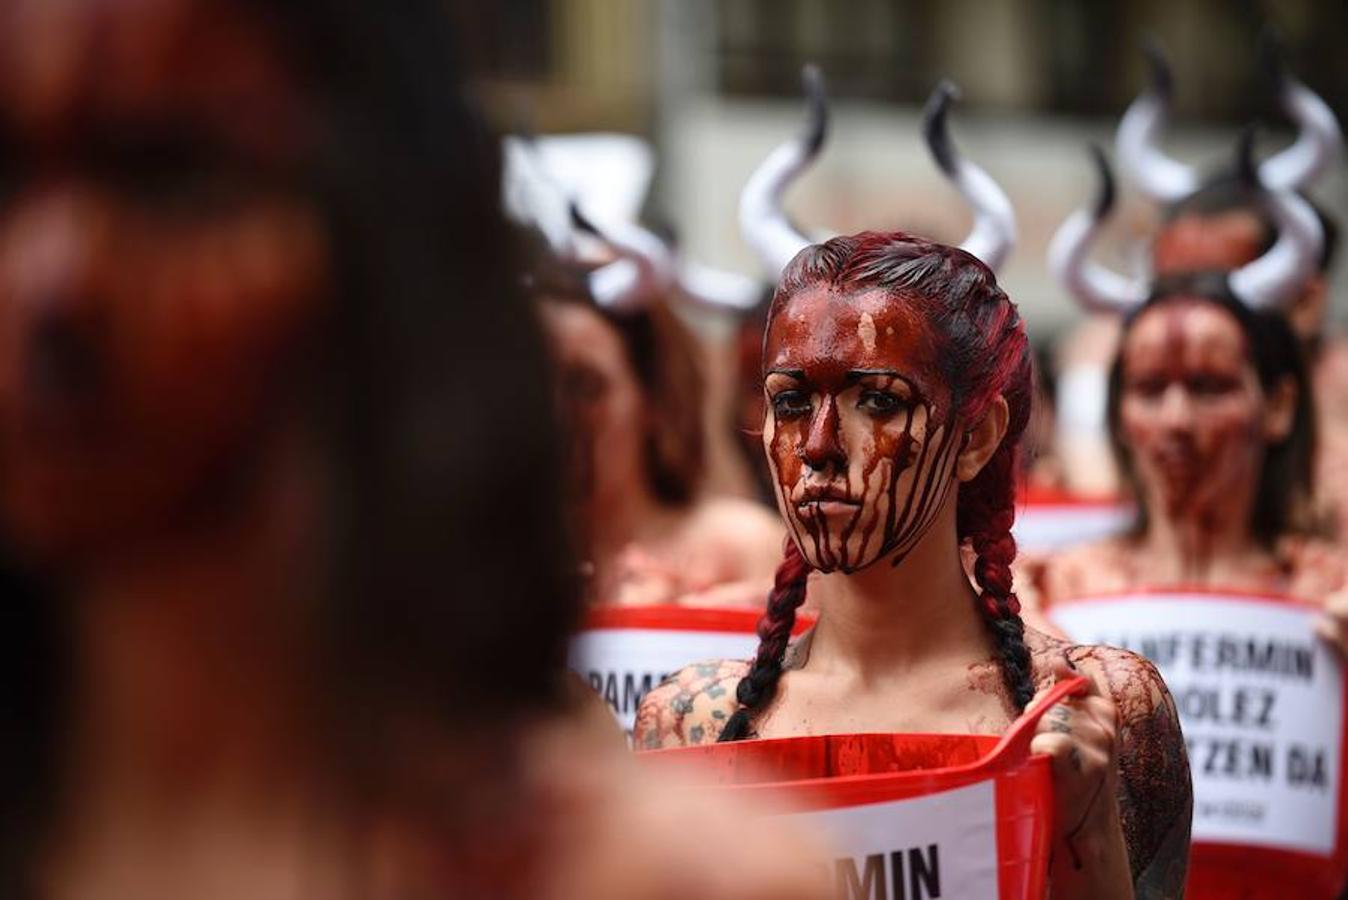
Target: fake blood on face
858 429
1191 408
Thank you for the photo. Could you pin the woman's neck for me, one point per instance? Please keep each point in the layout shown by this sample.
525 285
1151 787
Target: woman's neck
886 619
1201 545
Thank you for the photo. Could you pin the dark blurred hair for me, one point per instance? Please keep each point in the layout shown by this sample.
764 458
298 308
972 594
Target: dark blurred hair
451 590
1228 192
1282 497
666 362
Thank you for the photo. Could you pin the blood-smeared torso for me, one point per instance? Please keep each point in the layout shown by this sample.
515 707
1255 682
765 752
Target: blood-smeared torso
692 706
1304 568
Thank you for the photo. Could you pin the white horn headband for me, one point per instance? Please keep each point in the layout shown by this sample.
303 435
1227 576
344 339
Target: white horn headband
1264 283
1277 277
776 241
1319 138
1167 180
994 231
763 222
1140 157
1094 287
643 268
719 289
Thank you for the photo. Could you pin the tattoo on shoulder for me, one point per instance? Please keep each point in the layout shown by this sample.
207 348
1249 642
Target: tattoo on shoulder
690 707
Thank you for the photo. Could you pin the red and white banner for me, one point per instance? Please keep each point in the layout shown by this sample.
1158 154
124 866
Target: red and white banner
1047 520
1261 702
939 845
905 816
622 652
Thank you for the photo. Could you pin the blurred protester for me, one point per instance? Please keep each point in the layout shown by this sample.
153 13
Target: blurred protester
1210 413
632 395
1218 223
898 381
1041 466
288 592
1221 227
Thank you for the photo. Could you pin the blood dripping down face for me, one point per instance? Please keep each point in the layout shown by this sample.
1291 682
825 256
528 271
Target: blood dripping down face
1192 412
859 430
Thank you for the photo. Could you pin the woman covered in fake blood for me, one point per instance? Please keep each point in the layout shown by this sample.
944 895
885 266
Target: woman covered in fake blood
1218 223
1211 414
898 382
631 396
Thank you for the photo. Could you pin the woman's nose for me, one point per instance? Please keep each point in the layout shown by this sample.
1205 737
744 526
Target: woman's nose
823 444
1176 410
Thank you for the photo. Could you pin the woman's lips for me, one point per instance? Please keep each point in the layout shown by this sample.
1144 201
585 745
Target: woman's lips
826 507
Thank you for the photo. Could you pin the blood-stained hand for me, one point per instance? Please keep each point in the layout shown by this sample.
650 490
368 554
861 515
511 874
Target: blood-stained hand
1080 735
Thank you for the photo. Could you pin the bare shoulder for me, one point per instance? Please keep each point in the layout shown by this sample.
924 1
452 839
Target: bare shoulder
1155 791
689 707
744 526
1315 567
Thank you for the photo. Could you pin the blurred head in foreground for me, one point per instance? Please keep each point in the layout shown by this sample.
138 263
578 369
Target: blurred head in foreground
255 425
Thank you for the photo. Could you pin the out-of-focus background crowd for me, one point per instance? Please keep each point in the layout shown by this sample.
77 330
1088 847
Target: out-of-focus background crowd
714 86
294 537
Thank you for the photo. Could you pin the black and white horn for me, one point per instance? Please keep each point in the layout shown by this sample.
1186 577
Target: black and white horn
1319 138
719 289
1092 285
642 271
1136 143
763 221
993 235
532 199
1280 275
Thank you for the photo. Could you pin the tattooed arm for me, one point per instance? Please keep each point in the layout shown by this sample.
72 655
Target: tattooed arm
1155 791
690 707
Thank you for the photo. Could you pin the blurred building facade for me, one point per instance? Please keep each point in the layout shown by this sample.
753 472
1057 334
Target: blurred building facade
714 84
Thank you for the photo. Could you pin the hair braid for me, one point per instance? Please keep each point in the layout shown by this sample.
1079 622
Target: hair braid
757 688
986 513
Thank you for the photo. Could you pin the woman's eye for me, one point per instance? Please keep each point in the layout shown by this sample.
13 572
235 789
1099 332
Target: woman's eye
791 404
878 402
1147 387
171 174
1211 385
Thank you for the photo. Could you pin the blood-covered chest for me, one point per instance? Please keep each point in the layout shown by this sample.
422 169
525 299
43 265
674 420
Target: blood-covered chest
955 702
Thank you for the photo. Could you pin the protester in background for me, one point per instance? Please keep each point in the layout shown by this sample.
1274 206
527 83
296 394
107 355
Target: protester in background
1221 227
1218 223
1211 415
288 579
631 391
